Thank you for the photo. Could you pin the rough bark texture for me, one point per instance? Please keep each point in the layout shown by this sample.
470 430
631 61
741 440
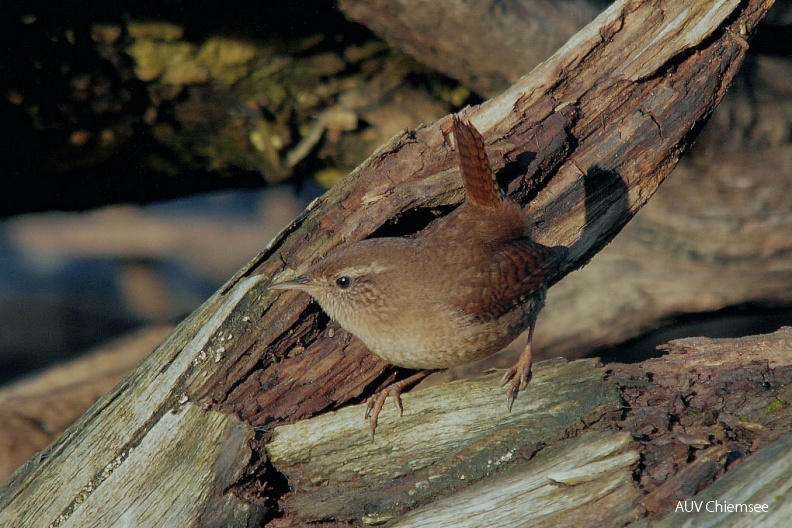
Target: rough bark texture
656 433
712 238
701 409
582 142
587 199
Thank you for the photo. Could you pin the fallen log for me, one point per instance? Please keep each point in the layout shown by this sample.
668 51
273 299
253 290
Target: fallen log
586 446
582 142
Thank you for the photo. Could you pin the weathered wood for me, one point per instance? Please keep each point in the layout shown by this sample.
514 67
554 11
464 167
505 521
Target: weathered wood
585 481
709 401
703 410
583 142
457 458
36 410
568 210
764 479
713 237
163 462
450 436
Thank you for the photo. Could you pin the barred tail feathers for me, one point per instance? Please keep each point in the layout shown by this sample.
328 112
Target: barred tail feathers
481 187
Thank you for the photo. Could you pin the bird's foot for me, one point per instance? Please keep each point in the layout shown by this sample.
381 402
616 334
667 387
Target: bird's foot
375 402
518 376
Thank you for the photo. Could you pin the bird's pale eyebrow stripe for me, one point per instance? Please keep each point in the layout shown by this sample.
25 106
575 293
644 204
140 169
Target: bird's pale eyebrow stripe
368 269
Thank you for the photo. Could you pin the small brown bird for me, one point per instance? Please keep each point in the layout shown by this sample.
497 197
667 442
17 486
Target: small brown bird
460 290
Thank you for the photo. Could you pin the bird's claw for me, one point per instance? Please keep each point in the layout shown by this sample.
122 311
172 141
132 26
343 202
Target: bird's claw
517 377
520 374
375 403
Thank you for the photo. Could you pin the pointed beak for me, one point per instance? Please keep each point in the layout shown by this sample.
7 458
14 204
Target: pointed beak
300 283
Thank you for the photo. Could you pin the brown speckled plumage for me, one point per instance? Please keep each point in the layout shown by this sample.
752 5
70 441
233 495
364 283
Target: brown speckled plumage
458 291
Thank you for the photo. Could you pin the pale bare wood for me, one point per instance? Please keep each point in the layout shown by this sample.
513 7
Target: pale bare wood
585 481
450 435
457 458
36 410
181 468
83 464
587 161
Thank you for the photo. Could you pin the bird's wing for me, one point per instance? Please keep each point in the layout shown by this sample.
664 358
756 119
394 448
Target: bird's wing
510 275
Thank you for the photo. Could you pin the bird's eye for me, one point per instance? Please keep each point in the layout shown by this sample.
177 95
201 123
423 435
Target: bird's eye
343 282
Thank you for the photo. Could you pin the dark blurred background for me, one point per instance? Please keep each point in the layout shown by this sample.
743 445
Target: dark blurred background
152 149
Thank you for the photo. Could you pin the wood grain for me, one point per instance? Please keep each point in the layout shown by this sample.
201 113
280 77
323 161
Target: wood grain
582 143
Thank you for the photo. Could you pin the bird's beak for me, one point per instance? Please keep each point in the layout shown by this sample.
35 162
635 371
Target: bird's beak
300 283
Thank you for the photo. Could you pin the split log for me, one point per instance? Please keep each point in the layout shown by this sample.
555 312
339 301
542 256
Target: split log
691 417
582 142
450 435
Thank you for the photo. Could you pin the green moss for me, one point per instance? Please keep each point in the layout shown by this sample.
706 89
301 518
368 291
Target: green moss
265 88
173 61
226 60
164 31
776 405
456 96
158 54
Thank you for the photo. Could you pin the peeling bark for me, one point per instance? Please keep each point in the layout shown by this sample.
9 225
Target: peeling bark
582 143
645 437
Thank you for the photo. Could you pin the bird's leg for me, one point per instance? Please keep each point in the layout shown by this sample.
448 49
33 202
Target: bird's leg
520 374
375 402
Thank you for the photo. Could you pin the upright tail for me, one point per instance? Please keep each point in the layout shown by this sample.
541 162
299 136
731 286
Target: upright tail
478 178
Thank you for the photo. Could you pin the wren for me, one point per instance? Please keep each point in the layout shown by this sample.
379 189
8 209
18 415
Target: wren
459 290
